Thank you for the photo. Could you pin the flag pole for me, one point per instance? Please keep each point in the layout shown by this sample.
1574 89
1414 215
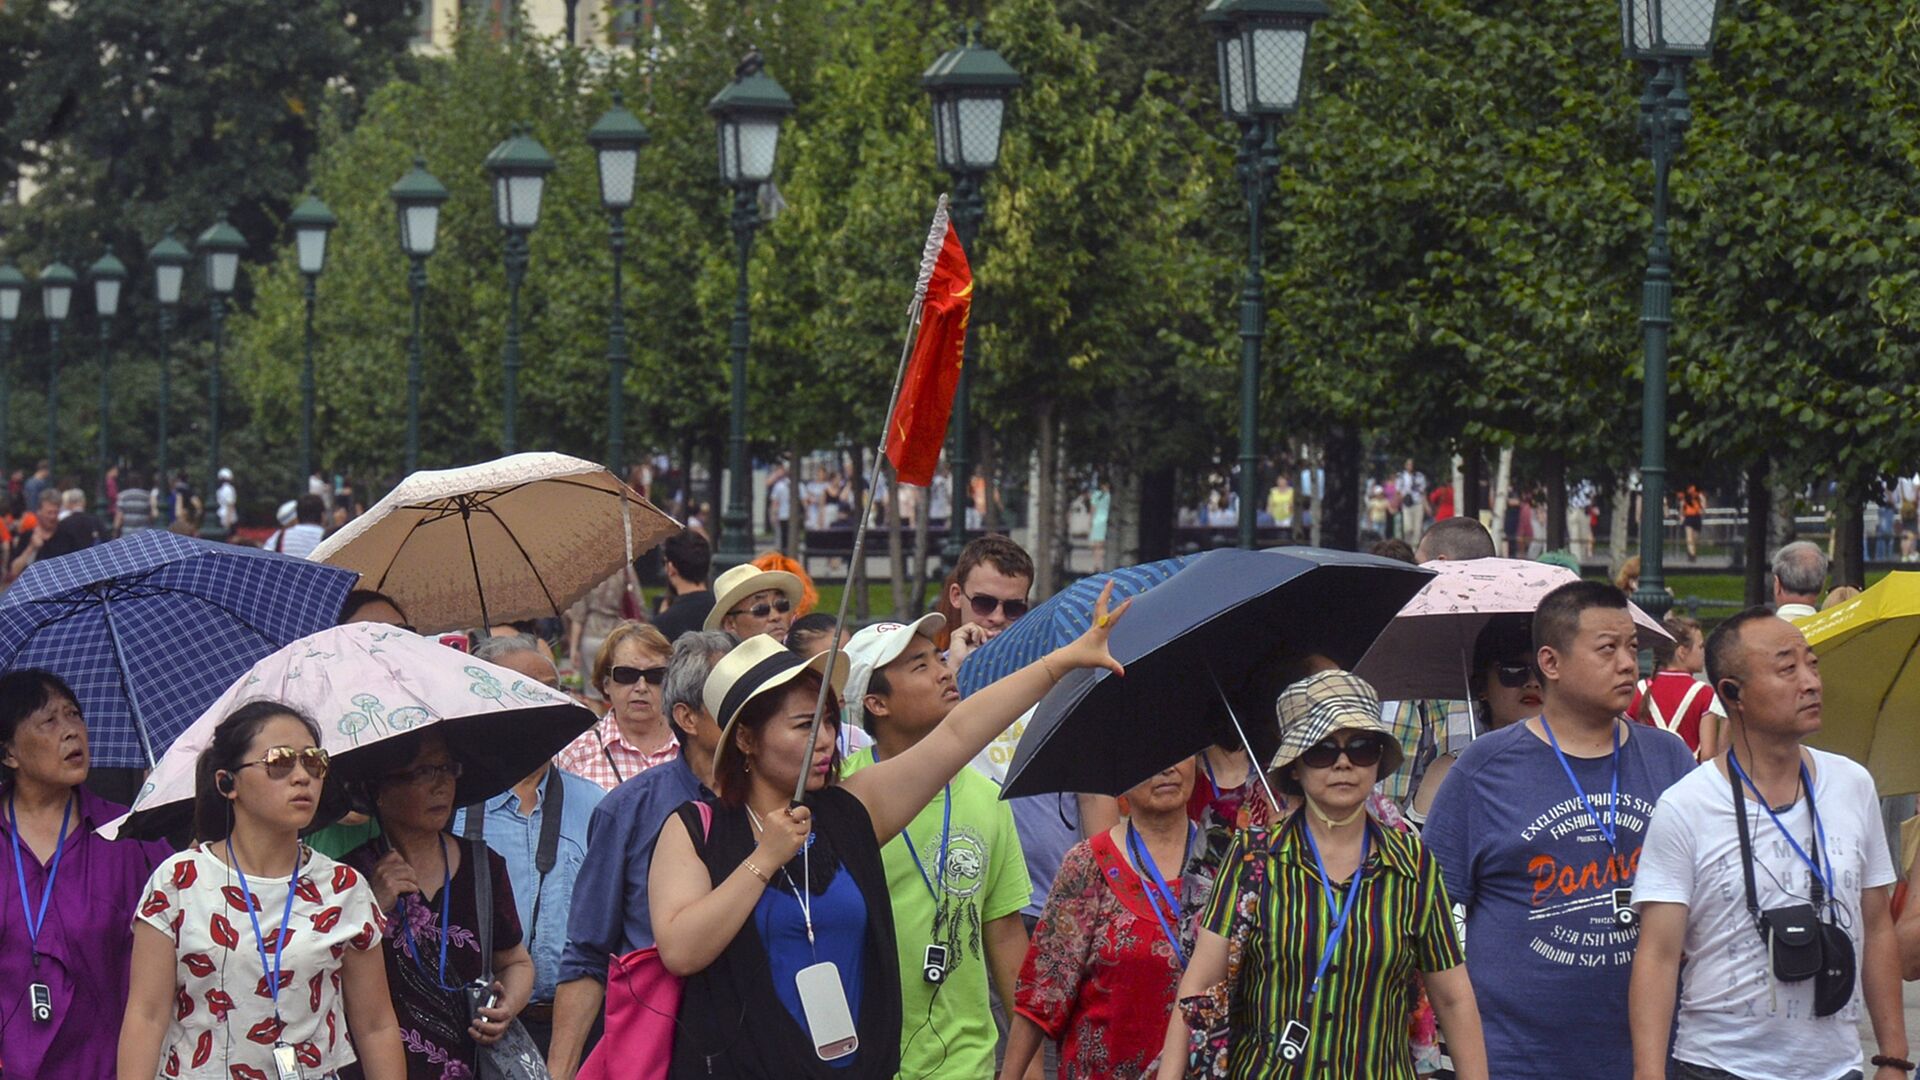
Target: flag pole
936 235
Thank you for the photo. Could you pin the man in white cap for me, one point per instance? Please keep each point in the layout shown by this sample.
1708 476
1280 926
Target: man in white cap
956 874
749 601
228 501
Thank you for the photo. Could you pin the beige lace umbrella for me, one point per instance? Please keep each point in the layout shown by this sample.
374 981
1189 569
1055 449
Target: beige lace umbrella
522 537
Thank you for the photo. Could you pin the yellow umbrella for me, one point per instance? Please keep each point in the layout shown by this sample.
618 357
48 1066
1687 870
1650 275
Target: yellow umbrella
1869 649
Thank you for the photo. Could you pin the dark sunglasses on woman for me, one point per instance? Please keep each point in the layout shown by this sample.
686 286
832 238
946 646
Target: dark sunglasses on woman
278 762
984 606
627 676
763 609
1362 750
1514 674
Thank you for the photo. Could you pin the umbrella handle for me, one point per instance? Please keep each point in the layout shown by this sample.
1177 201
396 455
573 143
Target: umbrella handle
1253 764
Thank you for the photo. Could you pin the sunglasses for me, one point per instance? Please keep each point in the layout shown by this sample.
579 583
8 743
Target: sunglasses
763 609
1514 675
427 774
984 606
278 762
1362 750
627 676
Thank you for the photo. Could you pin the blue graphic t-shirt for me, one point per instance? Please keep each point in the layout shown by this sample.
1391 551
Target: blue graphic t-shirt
1535 876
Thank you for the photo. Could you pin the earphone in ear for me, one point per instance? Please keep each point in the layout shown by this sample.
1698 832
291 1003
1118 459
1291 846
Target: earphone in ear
223 782
1730 690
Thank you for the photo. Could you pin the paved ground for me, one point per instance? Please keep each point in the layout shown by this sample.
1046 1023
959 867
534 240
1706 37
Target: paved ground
1913 1022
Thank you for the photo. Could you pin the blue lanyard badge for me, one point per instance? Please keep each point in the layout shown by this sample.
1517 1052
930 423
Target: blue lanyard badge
35 922
259 940
1159 893
446 907
1608 828
1823 877
946 830
1338 913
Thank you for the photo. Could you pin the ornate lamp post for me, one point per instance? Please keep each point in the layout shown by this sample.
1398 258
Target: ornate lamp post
1261 52
748 114
519 167
56 296
969 86
617 138
416 200
220 247
169 259
1664 36
107 275
311 222
13 285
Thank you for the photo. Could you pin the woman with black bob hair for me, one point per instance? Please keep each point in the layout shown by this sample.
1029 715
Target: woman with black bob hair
252 953
67 896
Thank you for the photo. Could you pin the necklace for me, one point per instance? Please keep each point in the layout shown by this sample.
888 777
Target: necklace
1333 823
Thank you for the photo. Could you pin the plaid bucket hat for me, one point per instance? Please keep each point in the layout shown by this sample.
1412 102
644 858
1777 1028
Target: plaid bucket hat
1326 702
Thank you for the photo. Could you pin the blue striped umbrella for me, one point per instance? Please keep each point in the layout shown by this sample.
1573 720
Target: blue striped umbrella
1058 621
150 629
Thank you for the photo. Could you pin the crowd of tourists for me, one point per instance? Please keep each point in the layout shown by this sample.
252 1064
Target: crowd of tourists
1588 875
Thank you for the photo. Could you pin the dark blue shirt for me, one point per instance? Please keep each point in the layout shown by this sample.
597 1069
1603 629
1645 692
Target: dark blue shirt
609 916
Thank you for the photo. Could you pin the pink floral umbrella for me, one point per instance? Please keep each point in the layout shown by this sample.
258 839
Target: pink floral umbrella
1427 650
365 684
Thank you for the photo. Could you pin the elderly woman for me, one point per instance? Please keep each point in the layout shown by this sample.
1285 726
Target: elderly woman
67 906
634 735
1316 928
1106 957
778 914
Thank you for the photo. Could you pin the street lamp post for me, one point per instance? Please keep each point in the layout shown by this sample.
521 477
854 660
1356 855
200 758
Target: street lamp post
1664 36
13 285
57 283
969 86
220 247
416 200
1261 53
311 222
519 167
616 139
107 275
169 259
748 114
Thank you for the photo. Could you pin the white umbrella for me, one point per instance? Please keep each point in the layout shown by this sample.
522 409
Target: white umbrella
522 537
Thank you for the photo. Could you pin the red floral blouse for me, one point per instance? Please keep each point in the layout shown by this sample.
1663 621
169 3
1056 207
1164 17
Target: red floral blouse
1100 976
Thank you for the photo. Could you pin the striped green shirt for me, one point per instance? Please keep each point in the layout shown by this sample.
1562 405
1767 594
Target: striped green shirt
1402 923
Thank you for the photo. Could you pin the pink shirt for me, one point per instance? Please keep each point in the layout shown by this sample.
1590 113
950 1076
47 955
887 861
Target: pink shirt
605 757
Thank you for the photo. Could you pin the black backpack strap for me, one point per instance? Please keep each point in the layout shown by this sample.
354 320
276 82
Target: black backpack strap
1746 845
482 903
548 852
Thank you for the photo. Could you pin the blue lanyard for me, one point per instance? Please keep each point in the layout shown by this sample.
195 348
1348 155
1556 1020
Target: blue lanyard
946 829
1339 914
446 907
1823 876
35 922
1608 828
259 939
1158 892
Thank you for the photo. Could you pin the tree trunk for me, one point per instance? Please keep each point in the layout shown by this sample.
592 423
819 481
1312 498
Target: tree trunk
1759 514
989 472
1781 527
1848 556
716 493
1154 525
1473 476
857 497
922 517
1502 489
1556 502
896 542
1618 542
1047 496
796 538
1338 516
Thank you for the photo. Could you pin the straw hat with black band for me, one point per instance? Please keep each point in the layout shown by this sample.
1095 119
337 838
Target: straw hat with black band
1323 703
756 667
734 586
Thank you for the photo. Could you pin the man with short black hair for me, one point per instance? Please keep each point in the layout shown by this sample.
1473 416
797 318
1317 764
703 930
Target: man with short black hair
688 559
1799 576
1538 829
1768 835
1453 539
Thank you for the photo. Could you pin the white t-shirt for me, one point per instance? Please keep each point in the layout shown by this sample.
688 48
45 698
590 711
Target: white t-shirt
780 499
1733 1015
297 540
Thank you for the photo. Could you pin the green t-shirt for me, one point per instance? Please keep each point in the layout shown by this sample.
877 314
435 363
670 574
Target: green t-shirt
986 879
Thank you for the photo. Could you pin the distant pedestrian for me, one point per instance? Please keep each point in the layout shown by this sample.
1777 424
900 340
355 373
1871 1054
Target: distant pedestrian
1412 485
1676 699
1099 501
1799 576
134 510
226 502
305 533
688 559
1693 518
78 529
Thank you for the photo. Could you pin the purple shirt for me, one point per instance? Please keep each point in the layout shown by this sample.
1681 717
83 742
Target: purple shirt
85 945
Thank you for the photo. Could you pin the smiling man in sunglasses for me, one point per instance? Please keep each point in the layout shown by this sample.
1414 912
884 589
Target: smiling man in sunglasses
749 601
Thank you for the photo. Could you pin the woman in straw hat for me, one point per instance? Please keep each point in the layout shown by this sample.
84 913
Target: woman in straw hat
778 915
1309 948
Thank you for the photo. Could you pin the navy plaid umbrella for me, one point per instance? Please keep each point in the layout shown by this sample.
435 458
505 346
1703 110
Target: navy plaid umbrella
1062 618
151 628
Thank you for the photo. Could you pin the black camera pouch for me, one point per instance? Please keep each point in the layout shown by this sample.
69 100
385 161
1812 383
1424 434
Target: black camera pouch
1800 944
1794 939
1833 987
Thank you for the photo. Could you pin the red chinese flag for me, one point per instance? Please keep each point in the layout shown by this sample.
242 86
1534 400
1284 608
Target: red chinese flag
933 369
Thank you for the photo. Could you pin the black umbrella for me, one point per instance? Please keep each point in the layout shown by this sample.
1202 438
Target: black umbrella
1209 648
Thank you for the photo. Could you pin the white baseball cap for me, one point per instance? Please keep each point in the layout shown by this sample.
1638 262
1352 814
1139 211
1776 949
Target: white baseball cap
288 513
875 647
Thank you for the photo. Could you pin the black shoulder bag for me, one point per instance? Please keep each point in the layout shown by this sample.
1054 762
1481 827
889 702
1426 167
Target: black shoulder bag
1800 944
515 1056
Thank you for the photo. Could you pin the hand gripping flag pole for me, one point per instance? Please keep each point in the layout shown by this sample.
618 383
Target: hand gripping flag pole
928 370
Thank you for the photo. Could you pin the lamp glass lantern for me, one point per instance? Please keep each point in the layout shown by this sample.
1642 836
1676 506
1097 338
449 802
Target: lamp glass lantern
57 283
13 285
747 114
616 139
107 275
1262 53
169 258
1668 29
519 166
311 222
969 86
220 247
417 198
